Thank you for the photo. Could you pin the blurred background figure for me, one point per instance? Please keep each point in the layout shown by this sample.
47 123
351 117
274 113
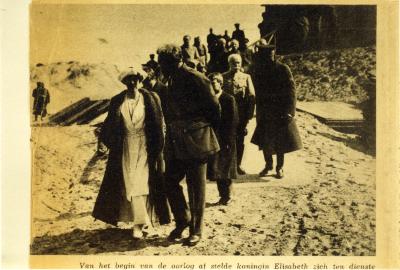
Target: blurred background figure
41 97
239 35
190 55
247 56
220 61
222 166
203 57
212 44
152 63
226 37
152 81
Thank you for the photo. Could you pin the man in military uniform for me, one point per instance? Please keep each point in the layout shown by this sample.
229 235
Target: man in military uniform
276 131
240 85
190 108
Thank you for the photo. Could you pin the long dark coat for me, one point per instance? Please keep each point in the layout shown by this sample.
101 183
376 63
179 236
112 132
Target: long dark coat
275 100
41 97
223 164
107 206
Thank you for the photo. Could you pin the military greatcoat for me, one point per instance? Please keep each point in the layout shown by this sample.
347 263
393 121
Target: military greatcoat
276 130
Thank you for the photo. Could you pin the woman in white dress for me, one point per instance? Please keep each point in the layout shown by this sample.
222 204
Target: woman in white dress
133 187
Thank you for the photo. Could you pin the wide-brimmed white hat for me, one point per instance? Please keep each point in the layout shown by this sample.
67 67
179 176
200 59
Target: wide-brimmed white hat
130 73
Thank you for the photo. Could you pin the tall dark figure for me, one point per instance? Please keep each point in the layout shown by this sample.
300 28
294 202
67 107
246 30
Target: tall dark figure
41 97
239 35
276 131
191 110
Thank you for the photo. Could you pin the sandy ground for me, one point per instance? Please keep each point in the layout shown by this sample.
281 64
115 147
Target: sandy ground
325 205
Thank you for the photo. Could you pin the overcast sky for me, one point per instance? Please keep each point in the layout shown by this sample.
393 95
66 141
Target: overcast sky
126 34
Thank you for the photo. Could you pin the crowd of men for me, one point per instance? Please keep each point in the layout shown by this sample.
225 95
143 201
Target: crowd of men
208 96
214 56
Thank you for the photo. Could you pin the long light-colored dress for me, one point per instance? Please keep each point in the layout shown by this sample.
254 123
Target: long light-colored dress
134 162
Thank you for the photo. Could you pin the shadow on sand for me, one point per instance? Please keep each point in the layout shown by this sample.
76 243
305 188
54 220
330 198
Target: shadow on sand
354 143
92 242
91 165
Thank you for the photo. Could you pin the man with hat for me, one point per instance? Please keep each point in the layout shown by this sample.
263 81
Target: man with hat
276 131
238 34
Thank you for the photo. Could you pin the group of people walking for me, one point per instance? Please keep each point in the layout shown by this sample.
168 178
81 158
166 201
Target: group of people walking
180 123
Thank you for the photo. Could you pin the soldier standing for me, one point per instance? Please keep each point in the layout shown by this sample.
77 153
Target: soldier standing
212 40
240 85
239 35
276 131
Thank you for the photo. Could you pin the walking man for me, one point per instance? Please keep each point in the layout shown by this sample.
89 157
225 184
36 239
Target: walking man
276 131
191 109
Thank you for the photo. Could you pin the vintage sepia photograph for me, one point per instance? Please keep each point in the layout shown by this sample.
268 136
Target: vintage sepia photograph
203 129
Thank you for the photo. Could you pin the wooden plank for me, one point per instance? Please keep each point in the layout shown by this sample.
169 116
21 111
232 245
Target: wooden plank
68 111
73 118
90 116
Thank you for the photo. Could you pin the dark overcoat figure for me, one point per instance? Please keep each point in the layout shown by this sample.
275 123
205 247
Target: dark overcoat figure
41 97
108 203
239 35
276 131
223 164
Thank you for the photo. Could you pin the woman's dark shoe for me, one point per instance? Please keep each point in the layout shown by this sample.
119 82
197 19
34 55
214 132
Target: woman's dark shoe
192 240
279 173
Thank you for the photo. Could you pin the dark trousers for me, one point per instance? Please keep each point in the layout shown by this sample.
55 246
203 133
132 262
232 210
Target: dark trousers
240 134
280 158
224 188
195 172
